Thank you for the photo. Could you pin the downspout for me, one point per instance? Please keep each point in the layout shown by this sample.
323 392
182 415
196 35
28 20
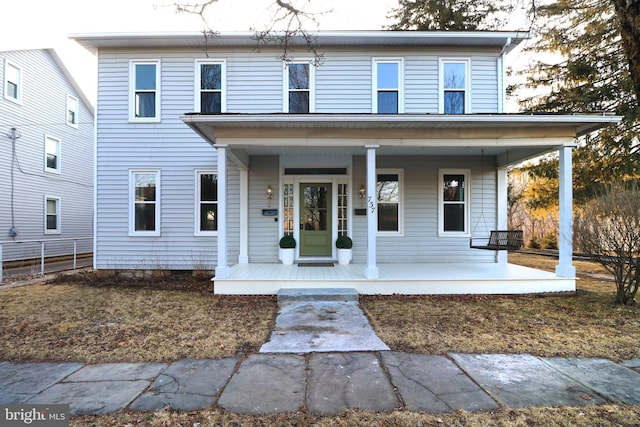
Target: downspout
502 91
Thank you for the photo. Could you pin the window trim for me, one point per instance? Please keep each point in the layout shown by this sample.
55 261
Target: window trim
374 82
132 91
73 101
400 173
132 202
312 84
197 202
223 83
467 82
467 203
58 169
58 229
18 99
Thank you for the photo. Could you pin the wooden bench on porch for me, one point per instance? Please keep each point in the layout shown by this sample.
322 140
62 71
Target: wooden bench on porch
500 240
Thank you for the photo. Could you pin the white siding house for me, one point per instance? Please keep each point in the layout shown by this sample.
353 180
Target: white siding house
46 157
207 156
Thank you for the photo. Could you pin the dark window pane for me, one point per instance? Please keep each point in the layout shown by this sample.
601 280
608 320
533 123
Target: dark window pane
454 76
71 118
145 187
145 77
387 217
387 188
387 75
299 76
210 102
52 222
454 217
454 102
146 104
52 161
208 187
208 217
299 102
145 217
210 76
388 102
454 188
12 90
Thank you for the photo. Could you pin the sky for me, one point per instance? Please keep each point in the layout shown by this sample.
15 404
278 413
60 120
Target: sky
39 24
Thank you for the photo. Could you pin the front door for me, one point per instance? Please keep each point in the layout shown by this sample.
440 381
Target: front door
315 220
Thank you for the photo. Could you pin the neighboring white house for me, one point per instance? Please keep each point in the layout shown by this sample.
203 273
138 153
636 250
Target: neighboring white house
46 157
208 153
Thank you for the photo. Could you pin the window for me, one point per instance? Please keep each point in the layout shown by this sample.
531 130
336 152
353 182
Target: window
51 155
454 76
343 210
51 215
72 111
206 203
210 84
299 91
454 201
145 91
389 198
387 86
144 211
12 82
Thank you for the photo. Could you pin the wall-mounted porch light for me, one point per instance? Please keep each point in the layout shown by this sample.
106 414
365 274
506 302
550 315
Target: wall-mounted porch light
269 194
363 194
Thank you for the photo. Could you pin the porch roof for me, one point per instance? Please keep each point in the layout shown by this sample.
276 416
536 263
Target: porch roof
511 137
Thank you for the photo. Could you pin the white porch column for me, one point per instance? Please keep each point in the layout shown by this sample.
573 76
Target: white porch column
502 211
243 258
565 267
371 271
222 269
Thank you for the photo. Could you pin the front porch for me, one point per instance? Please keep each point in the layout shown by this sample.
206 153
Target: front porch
408 279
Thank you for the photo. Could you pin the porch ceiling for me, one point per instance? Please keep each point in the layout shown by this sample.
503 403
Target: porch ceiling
512 137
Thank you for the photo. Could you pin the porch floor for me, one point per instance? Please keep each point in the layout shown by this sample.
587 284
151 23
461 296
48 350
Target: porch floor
409 279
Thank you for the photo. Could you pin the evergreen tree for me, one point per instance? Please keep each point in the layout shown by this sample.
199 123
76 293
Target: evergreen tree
446 15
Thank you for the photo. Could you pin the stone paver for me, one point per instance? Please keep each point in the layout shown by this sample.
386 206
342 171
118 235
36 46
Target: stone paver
343 381
92 398
523 380
266 384
434 384
187 385
19 382
117 372
615 382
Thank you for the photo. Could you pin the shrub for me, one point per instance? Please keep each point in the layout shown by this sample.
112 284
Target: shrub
288 242
344 242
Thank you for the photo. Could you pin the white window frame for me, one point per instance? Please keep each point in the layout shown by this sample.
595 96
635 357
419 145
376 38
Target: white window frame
197 231
197 107
374 82
47 230
312 84
58 168
132 202
8 64
73 105
467 202
132 91
400 173
467 83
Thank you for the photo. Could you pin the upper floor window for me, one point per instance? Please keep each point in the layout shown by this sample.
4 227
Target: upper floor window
389 201
51 215
454 201
144 202
210 84
145 91
299 87
12 82
72 111
387 86
206 203
51 154
454 83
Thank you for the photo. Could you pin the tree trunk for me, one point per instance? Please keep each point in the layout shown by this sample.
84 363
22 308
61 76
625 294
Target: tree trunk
628 12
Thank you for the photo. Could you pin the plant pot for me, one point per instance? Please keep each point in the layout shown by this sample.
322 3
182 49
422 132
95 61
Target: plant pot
287 255
344 256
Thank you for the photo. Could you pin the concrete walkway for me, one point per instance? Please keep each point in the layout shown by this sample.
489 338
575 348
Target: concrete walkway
301 369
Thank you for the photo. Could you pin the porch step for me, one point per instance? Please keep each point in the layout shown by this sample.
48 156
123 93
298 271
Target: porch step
318 294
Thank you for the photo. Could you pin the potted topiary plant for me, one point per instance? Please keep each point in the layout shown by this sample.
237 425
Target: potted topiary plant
287 249
344 245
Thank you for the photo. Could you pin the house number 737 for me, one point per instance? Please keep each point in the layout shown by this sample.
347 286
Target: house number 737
372 205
